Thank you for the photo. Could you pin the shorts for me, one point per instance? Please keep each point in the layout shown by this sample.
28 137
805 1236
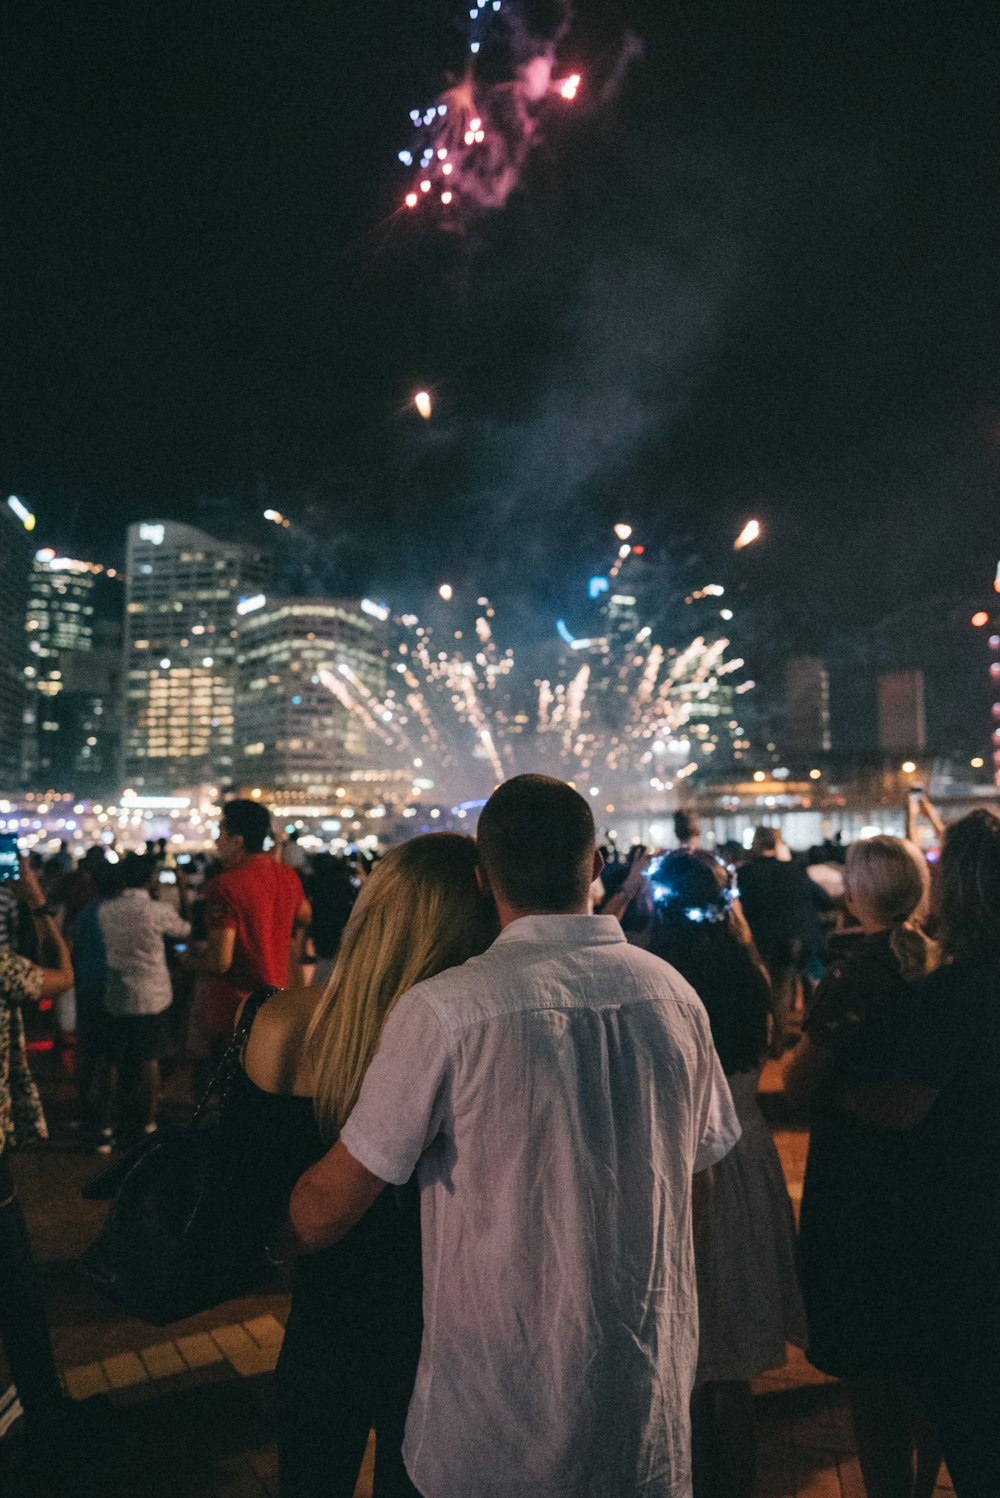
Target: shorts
135 1037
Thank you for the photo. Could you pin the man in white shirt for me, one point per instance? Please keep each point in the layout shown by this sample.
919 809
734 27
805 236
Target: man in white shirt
556 1096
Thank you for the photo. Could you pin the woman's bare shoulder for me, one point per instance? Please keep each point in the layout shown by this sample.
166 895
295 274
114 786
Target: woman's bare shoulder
275 1055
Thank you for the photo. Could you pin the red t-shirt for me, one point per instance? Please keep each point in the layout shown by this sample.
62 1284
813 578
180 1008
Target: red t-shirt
258 900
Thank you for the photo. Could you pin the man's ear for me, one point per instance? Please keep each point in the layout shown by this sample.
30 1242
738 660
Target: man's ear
598 865
482 881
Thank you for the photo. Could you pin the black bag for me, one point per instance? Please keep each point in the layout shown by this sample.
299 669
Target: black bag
186 1229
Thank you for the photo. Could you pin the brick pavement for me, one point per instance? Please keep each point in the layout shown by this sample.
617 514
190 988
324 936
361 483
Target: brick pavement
193 1404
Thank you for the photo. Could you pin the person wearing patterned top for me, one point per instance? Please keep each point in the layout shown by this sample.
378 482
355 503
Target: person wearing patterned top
24 1331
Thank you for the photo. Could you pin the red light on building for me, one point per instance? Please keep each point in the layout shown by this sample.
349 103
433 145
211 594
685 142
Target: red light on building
980 618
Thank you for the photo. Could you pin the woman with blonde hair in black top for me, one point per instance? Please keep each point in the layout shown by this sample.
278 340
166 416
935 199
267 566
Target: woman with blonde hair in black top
352 1342
849 1244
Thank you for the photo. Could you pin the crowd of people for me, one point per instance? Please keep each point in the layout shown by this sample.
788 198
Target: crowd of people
539 1237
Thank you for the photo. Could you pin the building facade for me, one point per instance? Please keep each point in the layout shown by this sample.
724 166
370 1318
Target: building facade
295 736
73 678
807 705
15 563
183 595
902 719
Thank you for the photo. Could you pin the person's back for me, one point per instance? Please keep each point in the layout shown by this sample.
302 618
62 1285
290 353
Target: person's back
259 901
566 1075
769 896
556 1095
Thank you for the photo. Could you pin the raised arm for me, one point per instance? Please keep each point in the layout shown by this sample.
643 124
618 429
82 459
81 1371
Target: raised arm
55 966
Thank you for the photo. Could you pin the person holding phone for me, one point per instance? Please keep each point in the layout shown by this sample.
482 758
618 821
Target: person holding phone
49 1417
137 990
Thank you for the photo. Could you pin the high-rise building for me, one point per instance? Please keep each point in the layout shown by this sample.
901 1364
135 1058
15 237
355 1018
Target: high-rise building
294 736
807 704
15 561
902 723
72 712
183 597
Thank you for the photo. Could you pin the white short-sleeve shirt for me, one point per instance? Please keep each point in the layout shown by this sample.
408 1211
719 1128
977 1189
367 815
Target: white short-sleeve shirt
133 927
555 1096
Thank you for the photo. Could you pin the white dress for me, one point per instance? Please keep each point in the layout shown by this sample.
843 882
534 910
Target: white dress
749 1302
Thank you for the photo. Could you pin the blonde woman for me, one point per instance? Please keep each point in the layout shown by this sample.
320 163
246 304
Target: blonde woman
849 1255
353 1337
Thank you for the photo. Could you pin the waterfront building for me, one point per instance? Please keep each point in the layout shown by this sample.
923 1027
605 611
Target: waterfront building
183 597
295 737
73 677
15 562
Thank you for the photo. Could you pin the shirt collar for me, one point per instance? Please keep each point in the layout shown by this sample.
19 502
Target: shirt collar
565 930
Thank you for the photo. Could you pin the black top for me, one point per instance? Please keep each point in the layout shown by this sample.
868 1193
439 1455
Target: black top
953 1182
861 1012
769 894
381 1251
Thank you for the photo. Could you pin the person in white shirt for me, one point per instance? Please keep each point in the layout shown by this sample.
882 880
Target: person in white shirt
137 991
556 1096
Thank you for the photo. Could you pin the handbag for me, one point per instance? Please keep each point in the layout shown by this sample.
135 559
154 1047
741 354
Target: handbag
190 1214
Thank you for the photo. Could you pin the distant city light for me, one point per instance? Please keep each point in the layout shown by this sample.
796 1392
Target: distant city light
446 592
749 534
623 531
597 586
980 618
250 605
422 401
977 763
376 610
570 87
815 774
154 534
276 518
908 767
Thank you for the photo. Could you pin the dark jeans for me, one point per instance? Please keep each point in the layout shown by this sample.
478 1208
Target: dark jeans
24 1329
332 1390
350 1355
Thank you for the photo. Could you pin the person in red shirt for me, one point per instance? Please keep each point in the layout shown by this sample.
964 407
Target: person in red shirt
256 917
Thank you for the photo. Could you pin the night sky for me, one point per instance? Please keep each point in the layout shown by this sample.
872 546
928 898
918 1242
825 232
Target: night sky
757 278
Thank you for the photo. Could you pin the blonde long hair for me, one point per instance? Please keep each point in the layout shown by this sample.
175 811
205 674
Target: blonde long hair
890 875
419 912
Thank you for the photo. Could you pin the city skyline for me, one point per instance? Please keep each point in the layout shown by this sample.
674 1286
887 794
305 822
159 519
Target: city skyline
236 615
748 271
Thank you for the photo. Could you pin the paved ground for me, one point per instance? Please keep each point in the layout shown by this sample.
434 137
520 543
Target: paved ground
193 1403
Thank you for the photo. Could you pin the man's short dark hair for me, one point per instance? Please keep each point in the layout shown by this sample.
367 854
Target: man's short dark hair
137 869
765 840
536 844
686 826
248 820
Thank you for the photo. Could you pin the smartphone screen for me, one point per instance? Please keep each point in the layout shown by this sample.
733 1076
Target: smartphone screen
9 862
167 876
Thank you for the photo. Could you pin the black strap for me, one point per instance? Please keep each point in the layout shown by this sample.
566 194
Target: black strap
232 1062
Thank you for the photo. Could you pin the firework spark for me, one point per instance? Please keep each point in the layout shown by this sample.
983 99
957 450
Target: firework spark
469 146
622 704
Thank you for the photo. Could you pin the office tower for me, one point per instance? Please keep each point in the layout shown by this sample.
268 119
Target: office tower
293 735
72 712
183 593
15 561
807 705
902 725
